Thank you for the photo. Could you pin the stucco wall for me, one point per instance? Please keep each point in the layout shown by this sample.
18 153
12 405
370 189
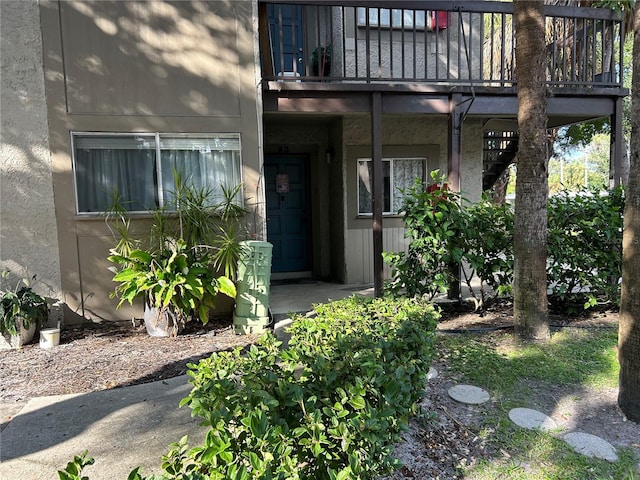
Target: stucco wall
138 66
471 164
417 130
394 53
29 238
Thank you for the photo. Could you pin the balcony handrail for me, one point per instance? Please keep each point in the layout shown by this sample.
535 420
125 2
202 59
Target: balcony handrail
473 43
469 6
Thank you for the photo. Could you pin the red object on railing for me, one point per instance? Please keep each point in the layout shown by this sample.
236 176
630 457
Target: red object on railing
439 20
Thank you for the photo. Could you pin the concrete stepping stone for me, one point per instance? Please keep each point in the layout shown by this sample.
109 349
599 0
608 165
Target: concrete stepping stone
591 446
469 394
532 419
433 373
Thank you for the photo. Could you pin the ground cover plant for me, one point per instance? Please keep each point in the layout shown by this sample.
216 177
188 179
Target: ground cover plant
572 362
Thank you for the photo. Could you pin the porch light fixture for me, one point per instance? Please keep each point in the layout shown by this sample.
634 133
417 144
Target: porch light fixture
330 152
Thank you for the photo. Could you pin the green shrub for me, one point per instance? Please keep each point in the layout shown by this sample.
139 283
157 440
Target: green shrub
585 247
432 221
487 247
478 237
329 406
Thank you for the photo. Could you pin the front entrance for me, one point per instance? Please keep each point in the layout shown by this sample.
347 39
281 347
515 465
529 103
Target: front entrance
288 222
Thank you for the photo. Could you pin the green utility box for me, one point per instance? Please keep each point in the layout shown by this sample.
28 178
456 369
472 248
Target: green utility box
254 276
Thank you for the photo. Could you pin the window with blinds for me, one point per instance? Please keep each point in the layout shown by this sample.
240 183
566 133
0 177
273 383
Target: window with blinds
141 169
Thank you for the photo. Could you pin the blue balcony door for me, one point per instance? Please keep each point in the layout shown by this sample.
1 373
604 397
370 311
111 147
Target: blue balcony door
285 27
288 219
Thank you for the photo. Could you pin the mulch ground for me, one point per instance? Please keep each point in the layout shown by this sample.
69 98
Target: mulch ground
108 355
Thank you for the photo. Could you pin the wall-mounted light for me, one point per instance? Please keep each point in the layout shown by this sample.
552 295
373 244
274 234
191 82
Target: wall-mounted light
330 154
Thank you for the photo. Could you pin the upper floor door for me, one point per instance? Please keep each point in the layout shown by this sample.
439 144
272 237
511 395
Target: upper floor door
285 29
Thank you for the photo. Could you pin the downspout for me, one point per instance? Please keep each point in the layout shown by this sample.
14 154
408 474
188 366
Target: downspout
259 212
456 119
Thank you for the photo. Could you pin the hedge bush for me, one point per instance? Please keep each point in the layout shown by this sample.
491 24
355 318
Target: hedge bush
584 246
330 406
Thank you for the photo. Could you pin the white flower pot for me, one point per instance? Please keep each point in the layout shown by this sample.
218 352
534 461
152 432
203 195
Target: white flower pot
49 337
163 322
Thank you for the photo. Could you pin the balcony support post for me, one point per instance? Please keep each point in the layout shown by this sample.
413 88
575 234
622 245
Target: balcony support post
266 52
454 144
378 190
618 160
454 153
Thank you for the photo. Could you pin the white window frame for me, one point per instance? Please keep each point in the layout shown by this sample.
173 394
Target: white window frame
392 18
156 136
392 187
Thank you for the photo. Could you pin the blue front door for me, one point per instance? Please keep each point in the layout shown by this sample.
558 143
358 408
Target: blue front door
288 213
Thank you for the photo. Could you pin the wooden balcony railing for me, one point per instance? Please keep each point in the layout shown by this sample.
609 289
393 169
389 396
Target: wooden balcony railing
453 43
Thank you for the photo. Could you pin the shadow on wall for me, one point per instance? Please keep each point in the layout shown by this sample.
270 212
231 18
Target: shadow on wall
155 58
113 66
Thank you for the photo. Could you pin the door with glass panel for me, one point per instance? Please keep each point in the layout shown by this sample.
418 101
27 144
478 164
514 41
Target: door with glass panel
285 27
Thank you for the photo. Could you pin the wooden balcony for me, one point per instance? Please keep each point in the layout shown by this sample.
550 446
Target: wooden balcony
470 44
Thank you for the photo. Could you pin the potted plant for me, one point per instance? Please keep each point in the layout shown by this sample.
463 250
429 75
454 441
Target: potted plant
191 257
175 282
321 61
23 311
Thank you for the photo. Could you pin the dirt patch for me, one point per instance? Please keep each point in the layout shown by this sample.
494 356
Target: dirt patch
438 444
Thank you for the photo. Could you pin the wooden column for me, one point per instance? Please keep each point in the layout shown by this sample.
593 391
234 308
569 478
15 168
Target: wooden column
618 168
454 154
266 54
454 143
378 190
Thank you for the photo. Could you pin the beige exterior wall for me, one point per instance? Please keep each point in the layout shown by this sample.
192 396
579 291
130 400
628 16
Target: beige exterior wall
28 231
168 67
471 163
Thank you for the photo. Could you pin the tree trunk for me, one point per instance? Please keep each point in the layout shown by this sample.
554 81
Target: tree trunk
629 330
531 313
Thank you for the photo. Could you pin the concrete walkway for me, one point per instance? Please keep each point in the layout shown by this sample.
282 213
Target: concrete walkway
122 428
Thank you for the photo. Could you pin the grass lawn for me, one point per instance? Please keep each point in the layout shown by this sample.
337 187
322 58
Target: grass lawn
574 362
